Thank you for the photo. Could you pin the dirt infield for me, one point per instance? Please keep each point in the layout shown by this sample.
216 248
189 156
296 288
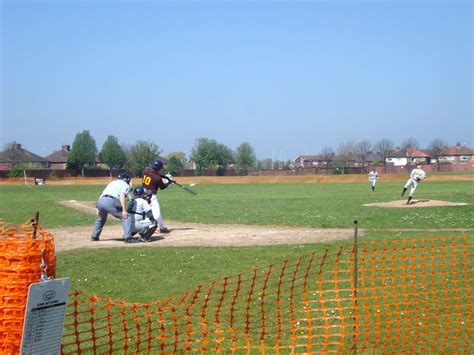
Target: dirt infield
193 234
199 234
415 204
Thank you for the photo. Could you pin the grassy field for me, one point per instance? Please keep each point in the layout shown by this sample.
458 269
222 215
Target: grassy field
163 272
398 283
329 205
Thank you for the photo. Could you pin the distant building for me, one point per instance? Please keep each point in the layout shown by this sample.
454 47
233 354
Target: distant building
402 157
16 155
458 154
370 159
310 161
58 158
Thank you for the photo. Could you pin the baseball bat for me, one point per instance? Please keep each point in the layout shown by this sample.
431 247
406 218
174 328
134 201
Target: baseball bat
185 188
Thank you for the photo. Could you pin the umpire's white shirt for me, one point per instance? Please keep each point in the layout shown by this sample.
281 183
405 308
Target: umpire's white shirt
116 188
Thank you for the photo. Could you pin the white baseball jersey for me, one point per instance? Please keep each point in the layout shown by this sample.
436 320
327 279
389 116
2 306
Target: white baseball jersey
418 174
141 208
373 175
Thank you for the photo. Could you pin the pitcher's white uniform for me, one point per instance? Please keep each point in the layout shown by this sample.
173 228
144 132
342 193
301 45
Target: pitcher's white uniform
417 175
373 177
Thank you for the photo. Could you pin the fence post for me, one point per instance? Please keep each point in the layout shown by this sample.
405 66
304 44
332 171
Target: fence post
355 287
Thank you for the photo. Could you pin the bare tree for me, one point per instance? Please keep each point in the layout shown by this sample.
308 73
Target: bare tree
383 147
328 156
409 145
346 152
363 150
12 152
436 147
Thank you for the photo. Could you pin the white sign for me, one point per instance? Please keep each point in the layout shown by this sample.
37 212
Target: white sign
44 317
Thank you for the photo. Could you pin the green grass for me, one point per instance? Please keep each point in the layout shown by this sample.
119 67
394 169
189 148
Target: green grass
313 205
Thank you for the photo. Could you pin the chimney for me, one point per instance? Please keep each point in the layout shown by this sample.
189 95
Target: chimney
458 144
66 147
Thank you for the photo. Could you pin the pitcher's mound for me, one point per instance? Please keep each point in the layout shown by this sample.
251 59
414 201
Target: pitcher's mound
415 203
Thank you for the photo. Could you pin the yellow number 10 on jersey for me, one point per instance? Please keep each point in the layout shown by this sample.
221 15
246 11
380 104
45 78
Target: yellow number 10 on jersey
146 180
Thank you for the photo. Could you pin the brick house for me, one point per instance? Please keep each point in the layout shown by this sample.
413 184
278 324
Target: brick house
58 158
457 155
370 159
311 161
17 154
402 157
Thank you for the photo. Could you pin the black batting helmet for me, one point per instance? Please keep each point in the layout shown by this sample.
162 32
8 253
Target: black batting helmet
138 191
125 177
157 165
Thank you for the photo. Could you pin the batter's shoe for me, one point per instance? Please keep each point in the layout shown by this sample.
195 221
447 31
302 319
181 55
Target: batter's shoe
94 239
164 230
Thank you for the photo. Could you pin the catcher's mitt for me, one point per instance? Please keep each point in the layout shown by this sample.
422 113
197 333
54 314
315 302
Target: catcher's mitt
418 179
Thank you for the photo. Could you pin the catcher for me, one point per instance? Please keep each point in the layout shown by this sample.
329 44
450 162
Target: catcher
143 222
417 175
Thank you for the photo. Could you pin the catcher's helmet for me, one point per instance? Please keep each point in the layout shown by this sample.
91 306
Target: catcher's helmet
125 177
157 165
138 191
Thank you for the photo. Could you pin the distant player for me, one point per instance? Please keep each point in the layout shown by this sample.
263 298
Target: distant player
373 178
417 175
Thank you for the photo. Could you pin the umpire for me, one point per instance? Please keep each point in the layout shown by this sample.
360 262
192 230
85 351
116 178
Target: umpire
112 200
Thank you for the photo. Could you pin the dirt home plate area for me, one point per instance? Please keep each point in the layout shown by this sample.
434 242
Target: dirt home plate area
192 234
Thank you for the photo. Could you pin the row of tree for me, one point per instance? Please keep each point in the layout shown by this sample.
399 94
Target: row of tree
207 154
349 151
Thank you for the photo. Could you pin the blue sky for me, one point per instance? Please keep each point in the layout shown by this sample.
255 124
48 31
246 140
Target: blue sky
288 77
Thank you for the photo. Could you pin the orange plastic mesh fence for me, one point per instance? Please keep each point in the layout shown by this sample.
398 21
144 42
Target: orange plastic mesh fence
21 257
412 296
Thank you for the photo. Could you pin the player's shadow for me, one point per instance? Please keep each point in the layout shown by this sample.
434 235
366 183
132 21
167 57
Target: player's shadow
418 201
154 238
